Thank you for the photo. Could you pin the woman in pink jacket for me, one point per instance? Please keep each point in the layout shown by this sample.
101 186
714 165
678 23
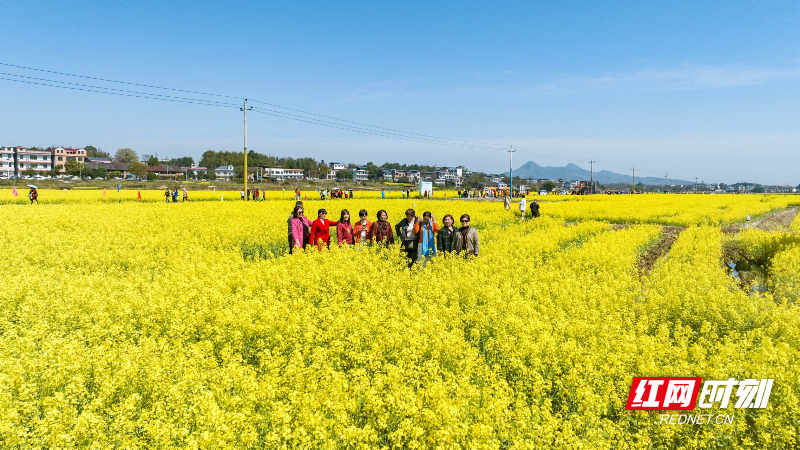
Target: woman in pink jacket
300 229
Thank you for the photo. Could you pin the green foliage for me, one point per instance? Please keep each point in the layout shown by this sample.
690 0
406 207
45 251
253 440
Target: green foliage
187 161
93 152
137 168
126 155
73 167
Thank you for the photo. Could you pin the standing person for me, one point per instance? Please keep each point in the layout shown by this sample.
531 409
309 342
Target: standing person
535 208
405 231
522 205
185 195
263 195
383 193
507 202
446 236
344 231
241 193
426 230
298 226
248 194
289 223
167 195
175 196
466 238
381 230
33 196
403 193
297 195
361 227
320 232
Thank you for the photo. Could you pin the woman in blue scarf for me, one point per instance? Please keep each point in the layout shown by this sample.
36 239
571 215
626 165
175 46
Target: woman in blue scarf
426 230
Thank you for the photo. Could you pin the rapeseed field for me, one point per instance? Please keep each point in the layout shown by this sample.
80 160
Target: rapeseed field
129 323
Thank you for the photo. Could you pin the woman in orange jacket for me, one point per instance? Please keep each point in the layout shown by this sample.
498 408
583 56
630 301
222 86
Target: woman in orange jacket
361 228
426 230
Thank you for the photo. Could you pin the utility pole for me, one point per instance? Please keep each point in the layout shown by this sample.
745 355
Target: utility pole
633 190
245 142
695 185
591 175
511 171
665 182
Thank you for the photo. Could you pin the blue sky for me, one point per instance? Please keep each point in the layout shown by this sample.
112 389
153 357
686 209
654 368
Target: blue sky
696 89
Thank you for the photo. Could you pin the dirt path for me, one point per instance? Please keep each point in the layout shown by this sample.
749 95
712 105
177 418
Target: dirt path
773 221
659 250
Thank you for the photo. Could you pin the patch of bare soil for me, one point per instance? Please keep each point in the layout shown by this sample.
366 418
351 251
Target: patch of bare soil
658 250
773 221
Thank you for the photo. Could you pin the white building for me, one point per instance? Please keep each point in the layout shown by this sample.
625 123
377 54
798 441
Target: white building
38 160
335 168
450 174
281 174
360 174
8 156
224 172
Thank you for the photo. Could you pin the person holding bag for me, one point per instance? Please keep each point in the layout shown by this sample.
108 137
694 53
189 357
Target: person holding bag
409 239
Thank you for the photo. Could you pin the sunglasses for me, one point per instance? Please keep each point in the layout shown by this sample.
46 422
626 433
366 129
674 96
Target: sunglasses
465 221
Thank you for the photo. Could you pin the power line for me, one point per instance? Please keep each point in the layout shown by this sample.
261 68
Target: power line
115 81
117 93
337 123
212 102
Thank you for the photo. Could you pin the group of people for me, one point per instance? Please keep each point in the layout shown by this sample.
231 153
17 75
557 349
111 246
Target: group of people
422 238
523 206
173 194
256 194
334 193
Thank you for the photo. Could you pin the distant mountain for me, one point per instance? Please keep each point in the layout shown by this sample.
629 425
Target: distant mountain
572 172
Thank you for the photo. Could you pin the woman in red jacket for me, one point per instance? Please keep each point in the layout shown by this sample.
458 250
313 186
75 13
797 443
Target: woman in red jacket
320 234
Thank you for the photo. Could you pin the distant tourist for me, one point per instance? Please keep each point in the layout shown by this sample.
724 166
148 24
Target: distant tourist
185 195
167 194
241 193
33 196
535 208
522 205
